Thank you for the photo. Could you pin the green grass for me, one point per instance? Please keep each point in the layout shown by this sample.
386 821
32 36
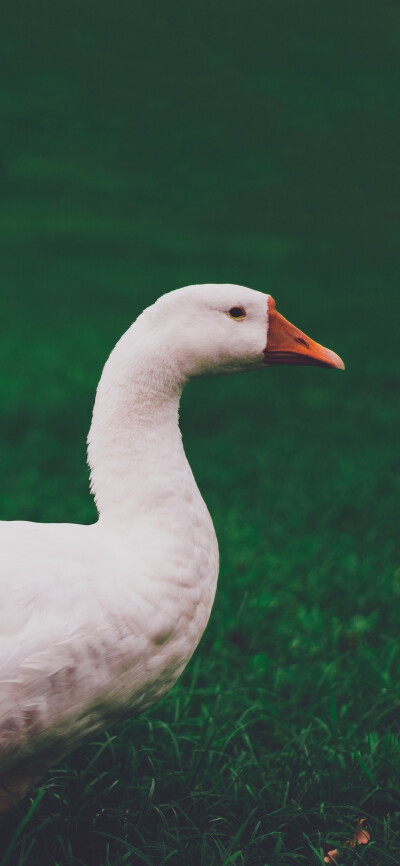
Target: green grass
144 149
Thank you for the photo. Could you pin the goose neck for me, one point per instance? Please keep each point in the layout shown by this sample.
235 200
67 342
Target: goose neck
135 449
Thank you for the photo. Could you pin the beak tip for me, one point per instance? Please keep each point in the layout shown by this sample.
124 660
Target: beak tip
339 364
332 359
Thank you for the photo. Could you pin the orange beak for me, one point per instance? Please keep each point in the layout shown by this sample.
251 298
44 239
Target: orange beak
287 345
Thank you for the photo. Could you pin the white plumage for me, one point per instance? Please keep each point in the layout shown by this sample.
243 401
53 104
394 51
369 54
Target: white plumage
99 621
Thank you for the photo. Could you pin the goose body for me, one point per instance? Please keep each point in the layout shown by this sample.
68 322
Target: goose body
97 622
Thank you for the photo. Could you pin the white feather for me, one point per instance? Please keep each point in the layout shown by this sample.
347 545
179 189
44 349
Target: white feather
99 621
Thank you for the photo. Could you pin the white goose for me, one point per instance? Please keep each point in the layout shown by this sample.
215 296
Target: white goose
99 621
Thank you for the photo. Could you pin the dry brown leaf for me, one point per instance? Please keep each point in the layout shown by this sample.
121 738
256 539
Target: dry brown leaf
360 837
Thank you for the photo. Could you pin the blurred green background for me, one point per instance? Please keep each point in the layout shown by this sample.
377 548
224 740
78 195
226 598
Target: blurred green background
149 145
145 146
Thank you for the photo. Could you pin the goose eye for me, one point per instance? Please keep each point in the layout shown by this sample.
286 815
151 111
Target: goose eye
237 313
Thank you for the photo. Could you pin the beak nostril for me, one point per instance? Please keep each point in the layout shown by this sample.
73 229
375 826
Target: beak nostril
303 342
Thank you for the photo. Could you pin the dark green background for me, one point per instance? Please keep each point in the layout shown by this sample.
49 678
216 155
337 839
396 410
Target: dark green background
148 145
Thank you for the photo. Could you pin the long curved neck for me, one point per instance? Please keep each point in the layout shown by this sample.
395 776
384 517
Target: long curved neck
135 450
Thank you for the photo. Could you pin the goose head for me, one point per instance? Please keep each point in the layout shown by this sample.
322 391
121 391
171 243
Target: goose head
218 328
